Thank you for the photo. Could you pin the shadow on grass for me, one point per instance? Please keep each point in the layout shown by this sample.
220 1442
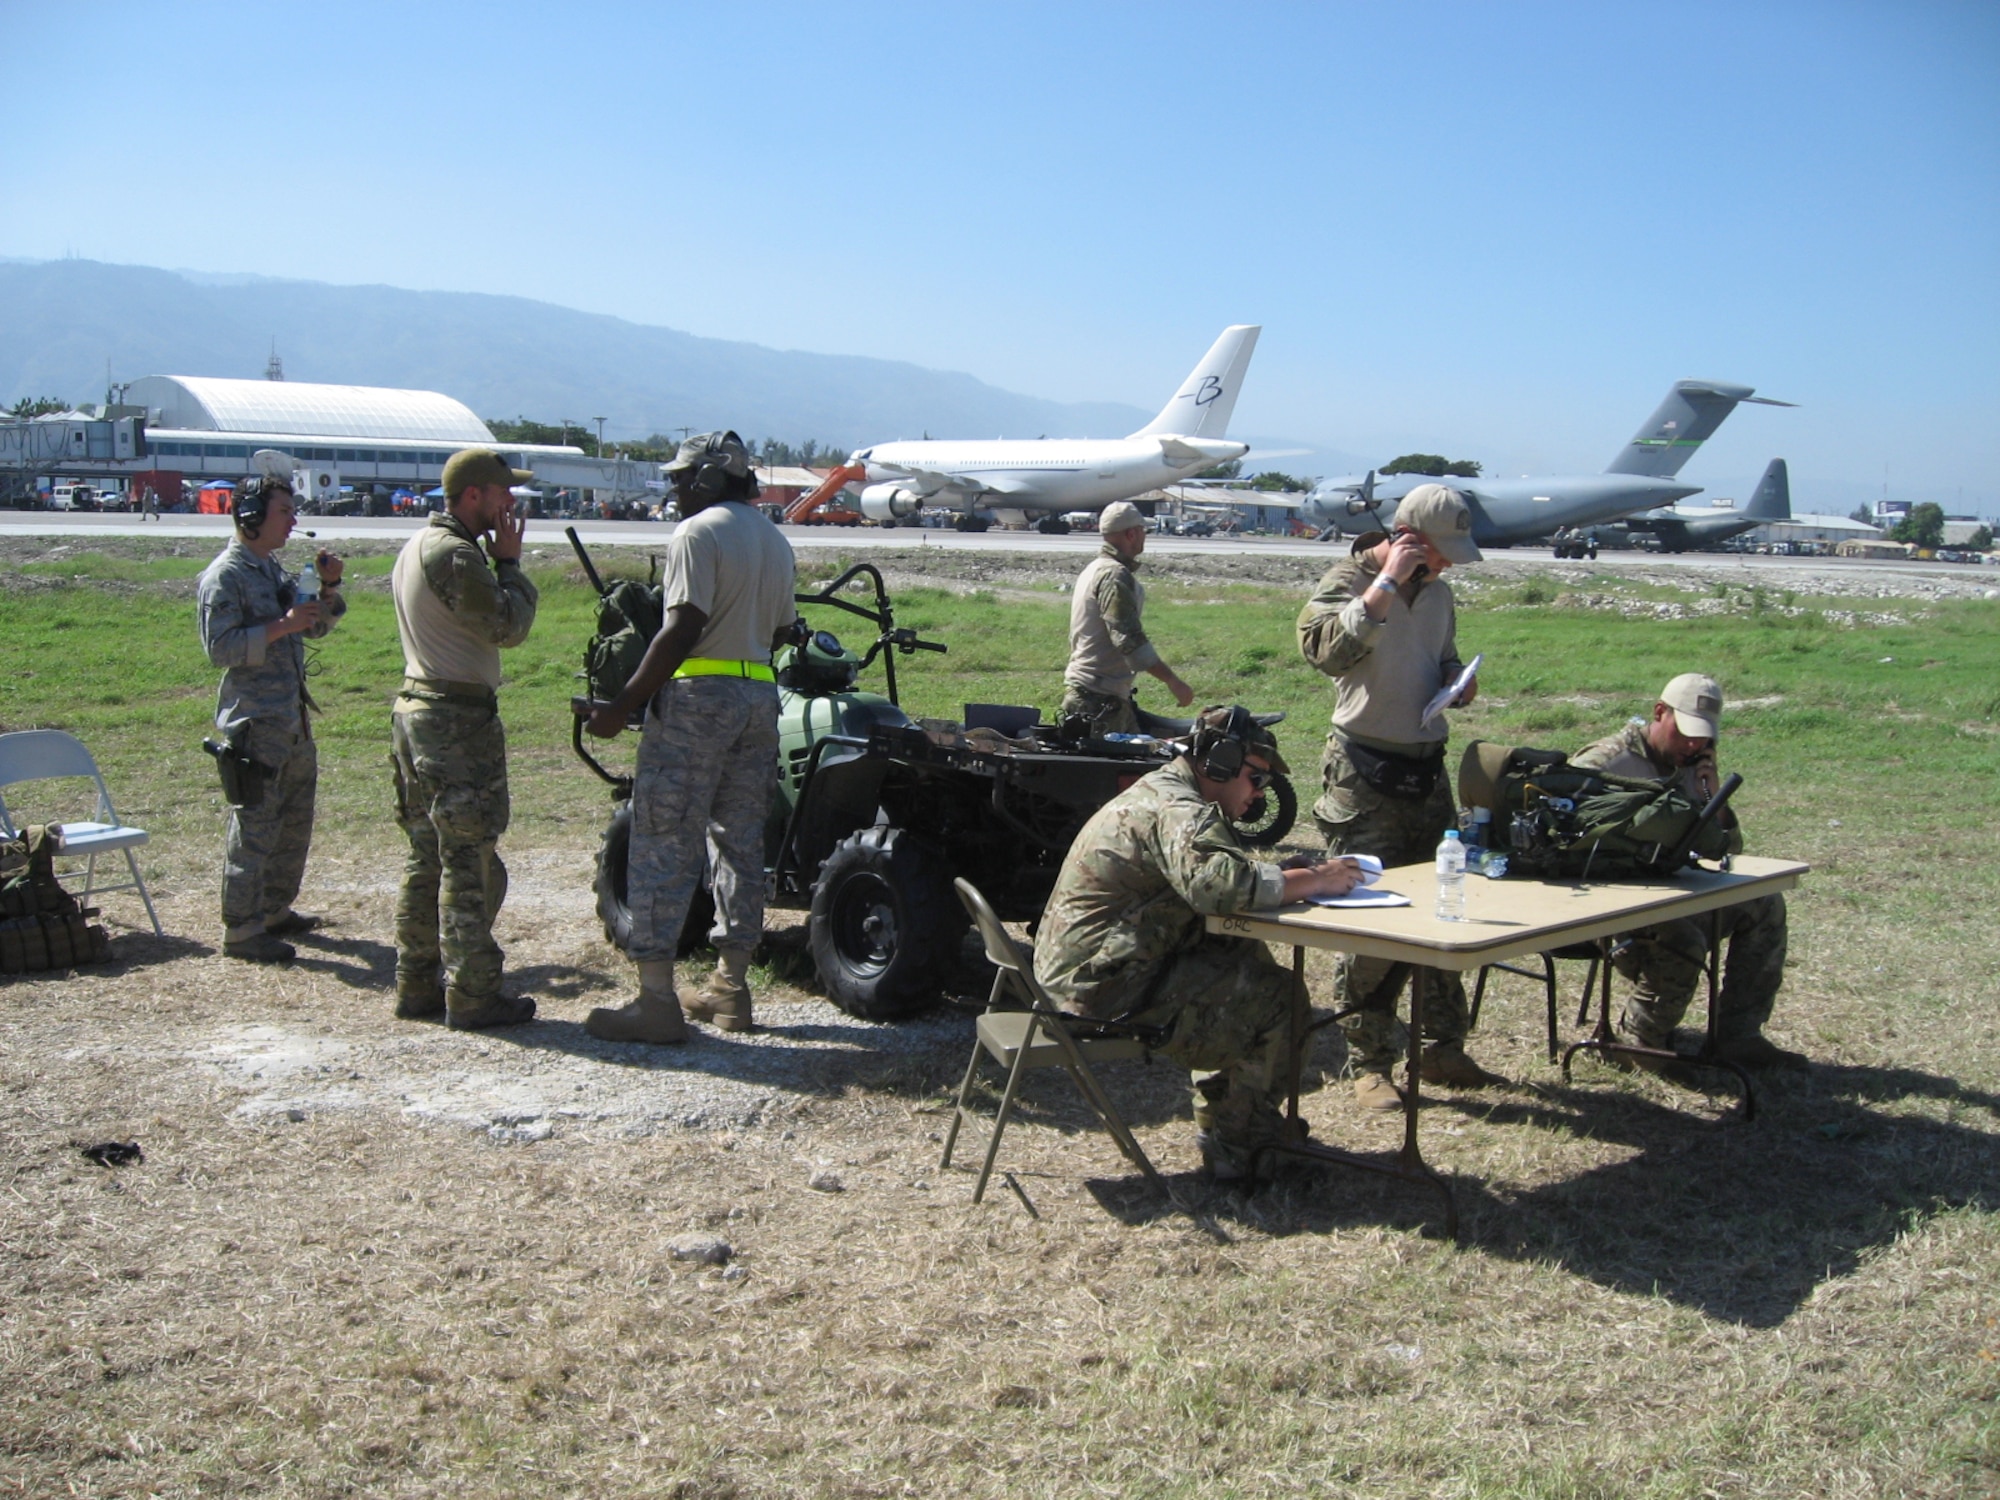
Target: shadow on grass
139 949
1742 1221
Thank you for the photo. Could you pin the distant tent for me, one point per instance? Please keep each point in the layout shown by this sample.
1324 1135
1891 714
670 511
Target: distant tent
214 497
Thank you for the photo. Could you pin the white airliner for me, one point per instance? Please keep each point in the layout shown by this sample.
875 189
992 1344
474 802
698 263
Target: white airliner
1047 476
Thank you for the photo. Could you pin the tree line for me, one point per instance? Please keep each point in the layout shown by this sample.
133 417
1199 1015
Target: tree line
658 447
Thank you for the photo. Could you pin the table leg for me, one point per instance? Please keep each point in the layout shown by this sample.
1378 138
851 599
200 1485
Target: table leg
1409 1164
1301 1020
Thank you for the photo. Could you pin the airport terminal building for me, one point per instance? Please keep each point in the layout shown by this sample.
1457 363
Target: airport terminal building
180 430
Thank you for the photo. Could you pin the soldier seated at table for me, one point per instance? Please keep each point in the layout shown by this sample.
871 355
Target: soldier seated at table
1666 962
1124 938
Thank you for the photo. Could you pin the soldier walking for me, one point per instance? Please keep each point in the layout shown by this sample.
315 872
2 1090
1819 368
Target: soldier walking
455 614
254 625
1108 646
708 756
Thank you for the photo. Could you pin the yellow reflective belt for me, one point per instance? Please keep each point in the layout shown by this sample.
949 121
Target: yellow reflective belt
713 666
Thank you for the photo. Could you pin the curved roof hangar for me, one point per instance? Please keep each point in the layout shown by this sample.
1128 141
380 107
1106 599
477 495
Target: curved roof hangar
199 403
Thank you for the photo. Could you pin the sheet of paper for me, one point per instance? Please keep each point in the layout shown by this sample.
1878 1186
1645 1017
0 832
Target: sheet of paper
1362 896
1453 688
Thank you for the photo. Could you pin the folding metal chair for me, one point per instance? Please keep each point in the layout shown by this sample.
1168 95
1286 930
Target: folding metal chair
42 754
1021 1028
1546 977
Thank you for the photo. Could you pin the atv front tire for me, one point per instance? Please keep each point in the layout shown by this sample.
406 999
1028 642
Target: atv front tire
613 909
886 924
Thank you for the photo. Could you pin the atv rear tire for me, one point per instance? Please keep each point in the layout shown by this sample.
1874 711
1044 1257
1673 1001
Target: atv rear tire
886 924
613 909
1271 816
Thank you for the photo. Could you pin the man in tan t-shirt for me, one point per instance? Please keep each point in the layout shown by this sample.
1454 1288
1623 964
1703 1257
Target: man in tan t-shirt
708 756
455 614
1383 625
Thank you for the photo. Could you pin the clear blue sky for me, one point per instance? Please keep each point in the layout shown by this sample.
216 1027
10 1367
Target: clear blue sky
1494 230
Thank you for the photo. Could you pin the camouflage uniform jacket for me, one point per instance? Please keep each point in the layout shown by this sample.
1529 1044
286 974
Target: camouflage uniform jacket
1630 753
1107 644
1387 670
454 612
239 595
1146 869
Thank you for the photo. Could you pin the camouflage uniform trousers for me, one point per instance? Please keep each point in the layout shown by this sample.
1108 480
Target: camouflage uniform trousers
1107 712
1666 965
708 764
264 851
450 757
1229 1006
1354 818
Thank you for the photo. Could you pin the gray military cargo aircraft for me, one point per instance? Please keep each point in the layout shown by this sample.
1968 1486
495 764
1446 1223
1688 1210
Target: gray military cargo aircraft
1510 511
1681 529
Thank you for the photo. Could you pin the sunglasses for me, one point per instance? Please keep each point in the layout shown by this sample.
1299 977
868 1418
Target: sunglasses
1258 779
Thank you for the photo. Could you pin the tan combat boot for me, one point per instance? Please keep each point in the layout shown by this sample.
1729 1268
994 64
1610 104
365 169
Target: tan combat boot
655 1016
1374 1090
1446 1063
724 1002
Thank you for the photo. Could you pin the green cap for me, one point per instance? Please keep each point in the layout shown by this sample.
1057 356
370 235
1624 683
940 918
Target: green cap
470 466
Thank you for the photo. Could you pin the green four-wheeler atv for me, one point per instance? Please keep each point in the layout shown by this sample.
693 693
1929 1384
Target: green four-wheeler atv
876 813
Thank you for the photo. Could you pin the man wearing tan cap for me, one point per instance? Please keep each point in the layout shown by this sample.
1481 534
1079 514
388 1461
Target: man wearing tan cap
455 615
1108 646
1667 962
1382 624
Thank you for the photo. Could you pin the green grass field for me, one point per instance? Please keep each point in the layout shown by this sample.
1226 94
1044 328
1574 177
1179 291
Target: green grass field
1648 1301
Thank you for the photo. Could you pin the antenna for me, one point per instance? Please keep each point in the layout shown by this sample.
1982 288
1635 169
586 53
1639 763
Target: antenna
275 368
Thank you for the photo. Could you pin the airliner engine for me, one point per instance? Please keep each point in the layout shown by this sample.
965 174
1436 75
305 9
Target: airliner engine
889 502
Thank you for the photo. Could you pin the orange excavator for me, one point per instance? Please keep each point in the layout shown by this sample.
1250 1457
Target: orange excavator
812 508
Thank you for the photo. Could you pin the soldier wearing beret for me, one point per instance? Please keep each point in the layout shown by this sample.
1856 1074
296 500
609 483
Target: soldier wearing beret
1108 646
254 625
1124 935
455 613
1665 963
1384 626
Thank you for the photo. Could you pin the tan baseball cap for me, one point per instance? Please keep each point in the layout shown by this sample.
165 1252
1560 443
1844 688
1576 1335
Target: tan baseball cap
1120 515
470 466
1697 704
1442 515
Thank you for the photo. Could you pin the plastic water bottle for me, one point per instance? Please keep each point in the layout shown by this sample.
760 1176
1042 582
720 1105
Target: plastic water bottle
1451 878
1477 834
308 584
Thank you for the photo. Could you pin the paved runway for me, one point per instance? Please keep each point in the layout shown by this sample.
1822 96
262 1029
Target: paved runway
902 538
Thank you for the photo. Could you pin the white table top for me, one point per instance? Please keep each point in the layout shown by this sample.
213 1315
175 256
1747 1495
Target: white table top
1510 917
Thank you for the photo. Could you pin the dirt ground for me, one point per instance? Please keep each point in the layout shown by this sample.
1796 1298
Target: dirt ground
367 1256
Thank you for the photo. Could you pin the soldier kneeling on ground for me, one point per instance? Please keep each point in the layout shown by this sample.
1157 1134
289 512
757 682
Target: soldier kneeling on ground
1124 936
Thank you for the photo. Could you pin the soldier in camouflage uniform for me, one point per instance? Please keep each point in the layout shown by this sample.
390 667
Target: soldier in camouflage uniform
1123 937
254 625
708 756
1108 647
1667 962
1384 626
449 749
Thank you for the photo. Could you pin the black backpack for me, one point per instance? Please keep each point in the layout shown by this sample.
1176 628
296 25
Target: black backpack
1557 821
42 926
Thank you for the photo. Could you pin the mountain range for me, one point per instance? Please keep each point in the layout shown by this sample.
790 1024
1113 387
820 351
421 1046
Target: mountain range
65 321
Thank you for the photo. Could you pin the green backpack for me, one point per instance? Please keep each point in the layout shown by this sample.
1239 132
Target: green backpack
628 617
1557 821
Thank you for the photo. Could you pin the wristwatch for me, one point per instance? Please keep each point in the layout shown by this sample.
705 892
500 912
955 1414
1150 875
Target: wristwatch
1384 582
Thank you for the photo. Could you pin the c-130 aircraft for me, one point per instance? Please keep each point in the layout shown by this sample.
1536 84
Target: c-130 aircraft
1510 511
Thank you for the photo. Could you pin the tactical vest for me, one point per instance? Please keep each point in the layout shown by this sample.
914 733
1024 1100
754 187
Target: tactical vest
1557 821
42 926
629 615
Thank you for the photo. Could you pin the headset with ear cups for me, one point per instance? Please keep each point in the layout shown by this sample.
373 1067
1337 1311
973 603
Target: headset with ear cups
253 502
1219 752
712 480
